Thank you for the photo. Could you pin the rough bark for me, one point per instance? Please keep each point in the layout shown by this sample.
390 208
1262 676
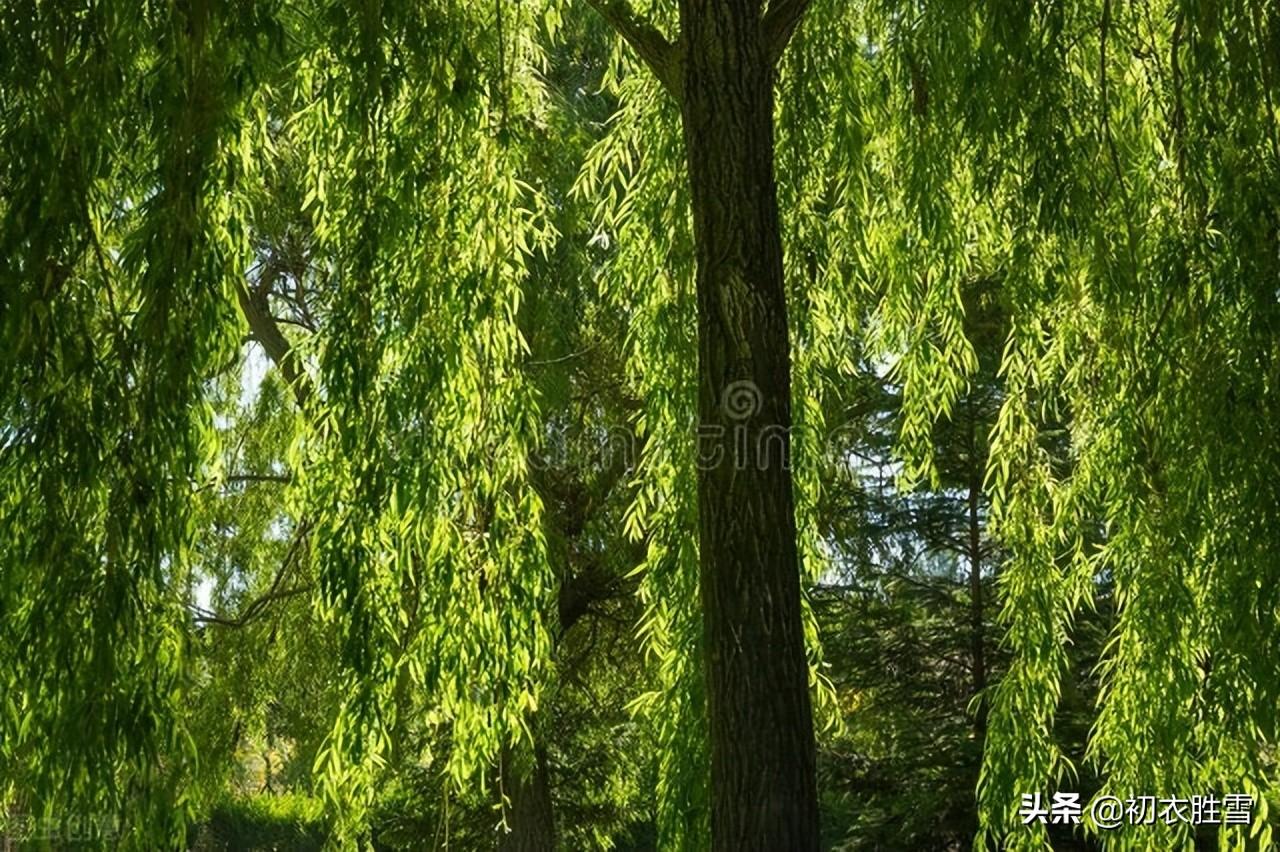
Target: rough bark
763 794
527 809
721 72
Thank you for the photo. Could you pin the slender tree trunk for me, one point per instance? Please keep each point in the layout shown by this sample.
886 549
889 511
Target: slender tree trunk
762 747
977 639
528 810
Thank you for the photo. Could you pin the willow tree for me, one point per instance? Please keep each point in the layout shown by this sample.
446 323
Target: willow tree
721 71
112 273
137 139
411 125
1113 167
1117 164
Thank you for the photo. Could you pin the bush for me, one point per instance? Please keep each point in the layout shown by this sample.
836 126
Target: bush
286 823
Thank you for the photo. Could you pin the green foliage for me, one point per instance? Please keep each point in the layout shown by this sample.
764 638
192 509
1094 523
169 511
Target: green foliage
121 236
431 205
642 222
1113 168
286 823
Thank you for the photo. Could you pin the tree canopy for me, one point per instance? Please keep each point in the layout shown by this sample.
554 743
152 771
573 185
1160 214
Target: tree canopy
359 361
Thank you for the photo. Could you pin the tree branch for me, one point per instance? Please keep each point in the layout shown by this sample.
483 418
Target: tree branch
267 332
275 593
662 57
780 22
252 612
259 477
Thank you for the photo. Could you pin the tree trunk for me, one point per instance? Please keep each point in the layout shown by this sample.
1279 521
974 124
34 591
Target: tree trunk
976 638
764 794
527 809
